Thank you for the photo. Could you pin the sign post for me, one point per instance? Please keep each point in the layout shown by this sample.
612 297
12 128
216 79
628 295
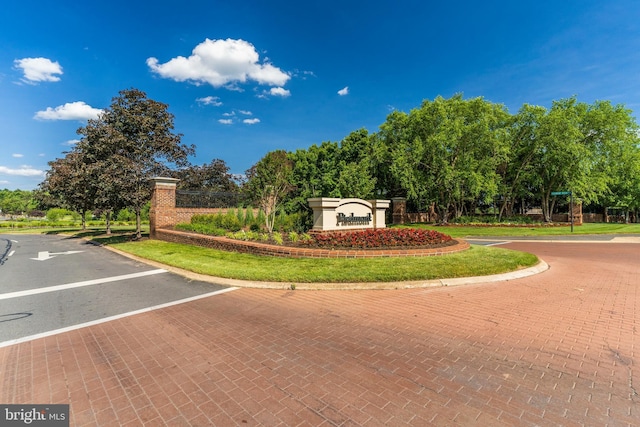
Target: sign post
570 194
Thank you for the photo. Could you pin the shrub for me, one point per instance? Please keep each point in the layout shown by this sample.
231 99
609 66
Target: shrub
57 214
277 238
202 228
249 217
126 215
241 217
208 219
230 221
261 218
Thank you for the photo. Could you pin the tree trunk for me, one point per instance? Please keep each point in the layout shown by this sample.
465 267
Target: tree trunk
138 224
108 220
546 208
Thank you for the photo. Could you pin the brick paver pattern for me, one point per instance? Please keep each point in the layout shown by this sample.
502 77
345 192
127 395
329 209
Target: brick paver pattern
558 348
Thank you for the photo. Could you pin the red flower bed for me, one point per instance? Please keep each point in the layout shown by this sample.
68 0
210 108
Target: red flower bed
381 238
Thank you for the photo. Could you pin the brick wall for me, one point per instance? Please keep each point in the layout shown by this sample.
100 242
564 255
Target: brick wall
256 248
165 214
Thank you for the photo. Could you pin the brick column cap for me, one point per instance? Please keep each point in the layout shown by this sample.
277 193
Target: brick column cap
164 180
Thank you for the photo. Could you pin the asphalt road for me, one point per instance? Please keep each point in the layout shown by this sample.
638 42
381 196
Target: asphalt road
53 283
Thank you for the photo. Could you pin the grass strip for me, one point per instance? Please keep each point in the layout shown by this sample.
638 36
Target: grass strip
528 231
477 261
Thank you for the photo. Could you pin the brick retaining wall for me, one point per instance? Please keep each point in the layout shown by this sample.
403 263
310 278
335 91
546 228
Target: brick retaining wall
256 248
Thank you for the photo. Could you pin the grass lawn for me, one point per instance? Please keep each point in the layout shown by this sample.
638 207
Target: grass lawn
496 231
477 261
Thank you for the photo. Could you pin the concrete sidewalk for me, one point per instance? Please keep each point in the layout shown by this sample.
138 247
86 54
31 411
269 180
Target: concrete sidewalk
557 348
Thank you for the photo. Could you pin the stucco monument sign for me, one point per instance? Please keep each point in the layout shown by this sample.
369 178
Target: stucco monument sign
333 214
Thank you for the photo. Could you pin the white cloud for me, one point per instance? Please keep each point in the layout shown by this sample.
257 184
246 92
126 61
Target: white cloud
17 155
279 91
246 113
71 142
23 171
70 111
210 100
38 69
226 121
344 91
251 121
221 63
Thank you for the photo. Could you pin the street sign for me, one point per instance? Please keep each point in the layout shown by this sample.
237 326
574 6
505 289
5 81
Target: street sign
560 193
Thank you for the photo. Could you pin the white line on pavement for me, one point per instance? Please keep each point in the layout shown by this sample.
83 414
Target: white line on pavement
109 319
498 243
79 284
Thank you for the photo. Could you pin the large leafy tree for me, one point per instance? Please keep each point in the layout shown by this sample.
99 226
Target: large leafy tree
518 169
580 149
355 166
447 152
129 143
331 169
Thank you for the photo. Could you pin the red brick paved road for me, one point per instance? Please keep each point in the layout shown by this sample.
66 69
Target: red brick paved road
559 348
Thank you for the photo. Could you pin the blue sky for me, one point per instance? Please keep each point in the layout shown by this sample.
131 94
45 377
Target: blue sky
243 78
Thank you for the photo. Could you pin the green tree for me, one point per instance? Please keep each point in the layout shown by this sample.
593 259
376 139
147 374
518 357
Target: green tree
268 182
447 152
579 150
355 166
518 171
17 202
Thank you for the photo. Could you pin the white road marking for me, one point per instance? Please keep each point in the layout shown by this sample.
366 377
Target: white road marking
12 252
79 284
109 319
497 243
43 256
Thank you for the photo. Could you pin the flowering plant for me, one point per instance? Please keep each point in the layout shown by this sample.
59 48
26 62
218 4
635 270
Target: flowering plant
380 238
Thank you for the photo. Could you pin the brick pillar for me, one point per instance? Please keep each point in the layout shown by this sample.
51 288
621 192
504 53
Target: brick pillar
163 204
577 213
399 212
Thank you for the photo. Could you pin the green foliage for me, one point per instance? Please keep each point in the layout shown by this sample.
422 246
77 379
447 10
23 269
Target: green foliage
268 182
261 218
241 217
249 217
126 215
277 238
17 202
202 228
230 221
492 219
58 214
